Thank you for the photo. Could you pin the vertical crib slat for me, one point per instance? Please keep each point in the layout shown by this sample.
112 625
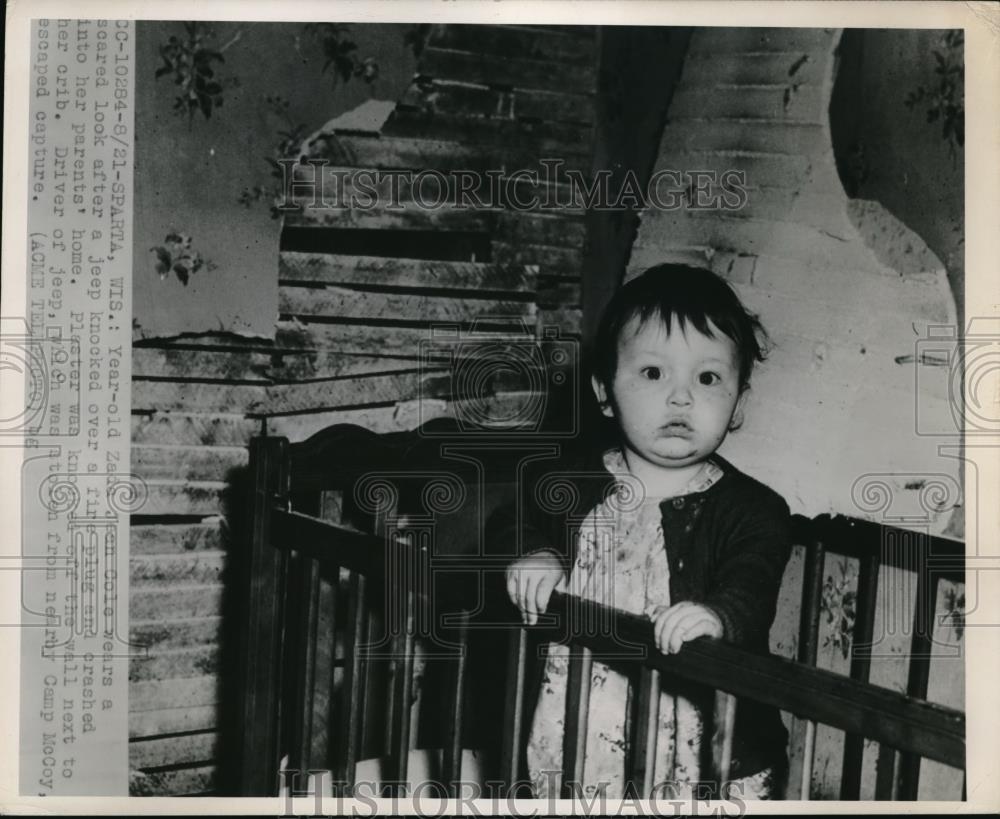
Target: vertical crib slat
861 662
647 718
290 667
332 752
382 688
302 617
308 626
812 591
517 661
261 641
367 664
885 773
577 706
722 738
452 763
352 704
383 669
920 658
402 684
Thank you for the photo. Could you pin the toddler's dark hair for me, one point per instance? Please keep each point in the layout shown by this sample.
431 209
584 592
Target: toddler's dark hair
692 296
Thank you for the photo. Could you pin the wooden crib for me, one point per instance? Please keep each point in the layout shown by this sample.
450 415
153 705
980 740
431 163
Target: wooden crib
412 565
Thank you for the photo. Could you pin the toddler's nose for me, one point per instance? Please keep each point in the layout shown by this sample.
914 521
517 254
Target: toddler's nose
680 396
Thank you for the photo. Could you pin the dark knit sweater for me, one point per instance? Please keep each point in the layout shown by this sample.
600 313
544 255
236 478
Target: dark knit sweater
726 548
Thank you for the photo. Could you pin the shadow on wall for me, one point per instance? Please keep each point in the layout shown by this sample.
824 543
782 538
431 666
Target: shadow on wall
897 123
639 70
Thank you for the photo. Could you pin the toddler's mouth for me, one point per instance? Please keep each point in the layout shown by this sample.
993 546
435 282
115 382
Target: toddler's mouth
677 428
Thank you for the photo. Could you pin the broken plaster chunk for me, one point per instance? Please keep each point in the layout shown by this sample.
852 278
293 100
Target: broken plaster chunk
411 414
367 118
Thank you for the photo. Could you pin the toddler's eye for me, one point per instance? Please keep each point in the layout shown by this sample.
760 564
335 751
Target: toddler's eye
709 379
651 373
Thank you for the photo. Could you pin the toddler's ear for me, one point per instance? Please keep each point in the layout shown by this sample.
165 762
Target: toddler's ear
737 420
602 396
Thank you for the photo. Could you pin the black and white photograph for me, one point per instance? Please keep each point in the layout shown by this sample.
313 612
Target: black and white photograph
476 411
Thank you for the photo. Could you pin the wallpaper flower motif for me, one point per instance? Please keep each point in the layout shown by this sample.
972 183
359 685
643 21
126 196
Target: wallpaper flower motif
189 61
838 603
176 255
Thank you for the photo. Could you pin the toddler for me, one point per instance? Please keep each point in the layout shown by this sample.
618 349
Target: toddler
675 533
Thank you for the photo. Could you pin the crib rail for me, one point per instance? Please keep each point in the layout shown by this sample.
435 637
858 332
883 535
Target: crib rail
875 547
289 549
921 727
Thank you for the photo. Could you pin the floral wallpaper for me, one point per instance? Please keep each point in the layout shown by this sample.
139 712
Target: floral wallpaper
218 104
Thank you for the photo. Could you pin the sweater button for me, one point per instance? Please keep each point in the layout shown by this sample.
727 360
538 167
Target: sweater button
678 503
680 563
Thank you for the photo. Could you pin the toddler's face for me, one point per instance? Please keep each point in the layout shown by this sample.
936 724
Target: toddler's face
673 396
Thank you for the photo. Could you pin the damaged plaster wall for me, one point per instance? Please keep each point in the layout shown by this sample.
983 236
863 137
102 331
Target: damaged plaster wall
833 417
190 175
906 157
841 417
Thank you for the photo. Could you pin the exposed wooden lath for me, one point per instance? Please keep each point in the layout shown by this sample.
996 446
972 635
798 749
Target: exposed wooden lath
485 98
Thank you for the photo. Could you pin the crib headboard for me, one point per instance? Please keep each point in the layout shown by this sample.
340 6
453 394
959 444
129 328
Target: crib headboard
438 486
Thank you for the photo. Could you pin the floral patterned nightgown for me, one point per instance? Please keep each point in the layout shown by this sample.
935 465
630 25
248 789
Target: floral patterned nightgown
622 563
